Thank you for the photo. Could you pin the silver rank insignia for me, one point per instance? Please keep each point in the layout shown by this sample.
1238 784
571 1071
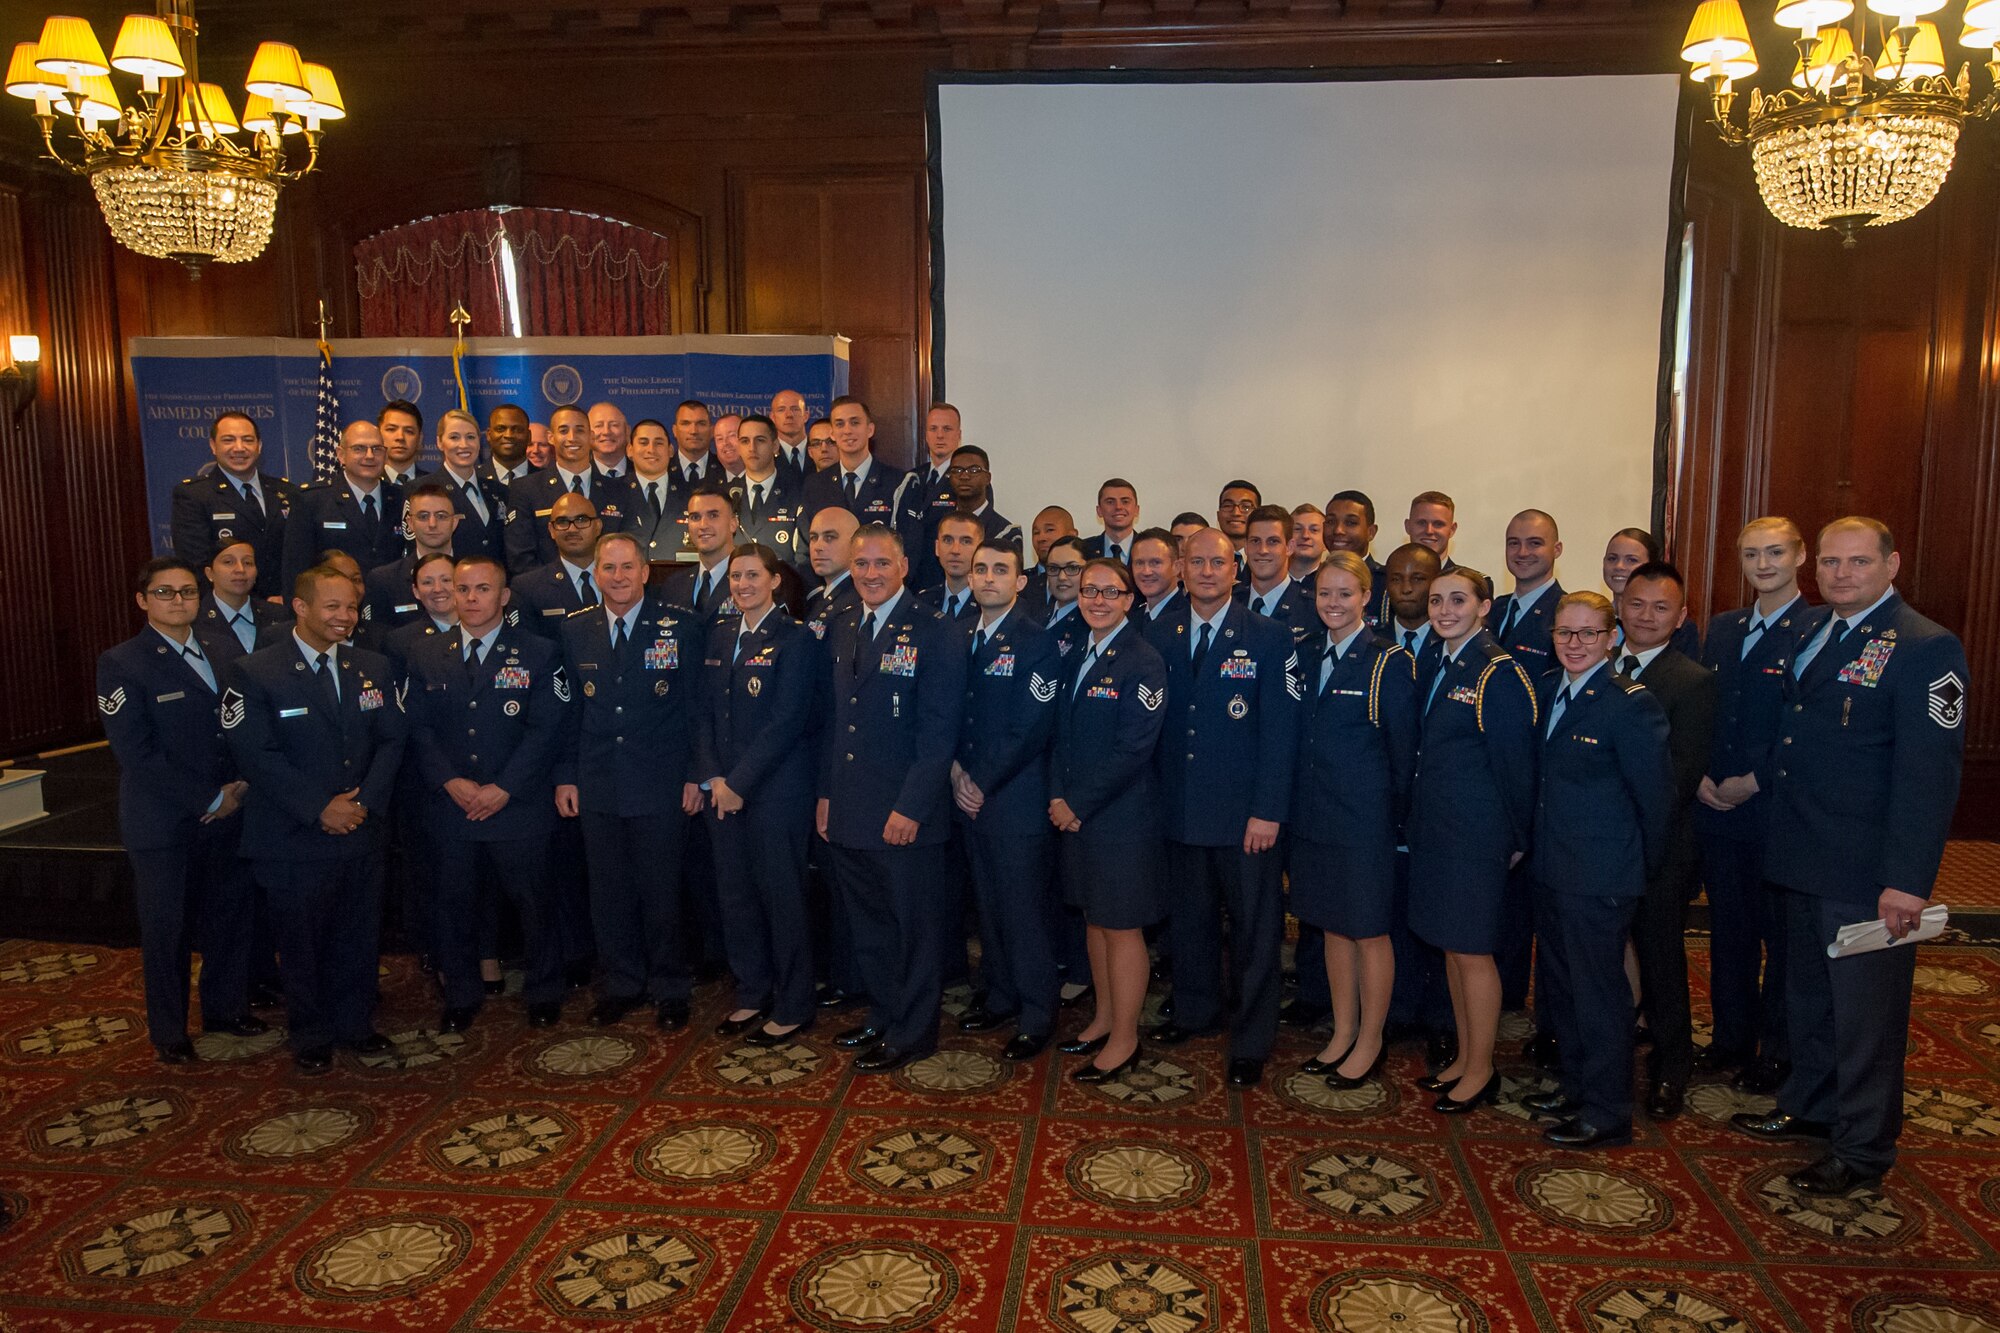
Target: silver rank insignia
111 703
233 705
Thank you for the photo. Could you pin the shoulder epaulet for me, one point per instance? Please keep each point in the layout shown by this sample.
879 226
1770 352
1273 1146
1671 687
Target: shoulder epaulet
1630 686
583 611
189 481
1375 688
1494 662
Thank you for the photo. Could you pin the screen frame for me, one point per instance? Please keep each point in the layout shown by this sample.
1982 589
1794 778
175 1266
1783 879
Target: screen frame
1676 220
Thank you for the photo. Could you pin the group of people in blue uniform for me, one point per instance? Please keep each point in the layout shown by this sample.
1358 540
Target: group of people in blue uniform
673 711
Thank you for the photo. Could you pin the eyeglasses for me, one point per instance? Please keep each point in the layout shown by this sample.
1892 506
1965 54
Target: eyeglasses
189 594
566 524
1101 594
1234 505
965 471
1066 570
364 450
1567 635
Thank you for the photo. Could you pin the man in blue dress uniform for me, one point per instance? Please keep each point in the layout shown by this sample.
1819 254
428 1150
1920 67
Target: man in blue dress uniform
1234 680
898 688
1750 651
1000 784
317 728
178 795
858 481
236 501
1867 773
531 500
357 512
769 497
549 594
1269 590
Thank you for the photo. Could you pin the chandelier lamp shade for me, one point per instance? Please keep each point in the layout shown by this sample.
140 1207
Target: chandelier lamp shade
176 172
1856 140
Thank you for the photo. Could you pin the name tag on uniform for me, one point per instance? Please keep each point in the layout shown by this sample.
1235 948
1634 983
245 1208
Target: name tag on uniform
399 610
1357 694
511 678
169 698
293 712
369 700
664 655
543 513
1003 665
335 525
555 611
900 660
222 518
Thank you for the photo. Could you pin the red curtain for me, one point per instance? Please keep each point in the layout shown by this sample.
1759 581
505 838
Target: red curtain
575 274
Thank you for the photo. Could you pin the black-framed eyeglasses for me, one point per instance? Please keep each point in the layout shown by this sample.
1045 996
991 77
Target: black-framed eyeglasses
1564 634
1101 594
1066 570
165 594
566 524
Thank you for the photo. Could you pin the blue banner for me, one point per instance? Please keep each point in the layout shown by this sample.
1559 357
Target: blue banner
183 382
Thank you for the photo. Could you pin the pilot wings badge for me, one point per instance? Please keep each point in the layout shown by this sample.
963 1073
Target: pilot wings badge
1151 699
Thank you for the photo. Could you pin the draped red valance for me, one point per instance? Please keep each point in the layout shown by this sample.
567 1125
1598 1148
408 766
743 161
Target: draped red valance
574 274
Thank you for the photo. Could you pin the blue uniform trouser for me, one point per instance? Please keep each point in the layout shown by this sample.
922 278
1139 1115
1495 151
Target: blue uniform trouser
701 891
194 895
1011 883
833 964
1850 1026
890 896
1422 994
569 881
1583 945
1549 980
1204 884
635 904
1514 958
766 923
328 920
516 869
1659 940
1746 956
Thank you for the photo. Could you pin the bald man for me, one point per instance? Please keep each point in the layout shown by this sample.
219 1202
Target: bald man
357 512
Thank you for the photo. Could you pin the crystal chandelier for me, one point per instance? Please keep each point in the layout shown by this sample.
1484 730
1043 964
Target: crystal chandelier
177 174
1854 142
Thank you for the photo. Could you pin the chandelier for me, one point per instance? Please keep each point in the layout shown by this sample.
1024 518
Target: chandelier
176 173
1854 142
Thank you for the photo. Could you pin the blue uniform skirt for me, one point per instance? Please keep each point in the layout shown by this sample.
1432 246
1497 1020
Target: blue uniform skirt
1343 890
1115 882
1456 902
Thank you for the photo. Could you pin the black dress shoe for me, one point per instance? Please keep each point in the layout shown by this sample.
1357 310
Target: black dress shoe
881 1059
1025 1045
736 1027
1580 1133
1299 1014
1069 1000
1440 1051
1712 1059
1557 1103
1173 1034
576 976
1831 1178
981 1019
247 1026
175 1052
1340 1082
830 997
313 1060
1432 1083
1762 1076
457 1018
859 1038
1488 1093
1665 1100
1082 1047
670 1015
427 965
498 986
266 997
1778 1125
611 1009
1245 1073
1543 1050
1095 1073
545 1015
372 1044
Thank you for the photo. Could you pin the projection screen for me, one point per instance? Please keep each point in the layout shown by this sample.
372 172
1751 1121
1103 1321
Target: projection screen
1394 286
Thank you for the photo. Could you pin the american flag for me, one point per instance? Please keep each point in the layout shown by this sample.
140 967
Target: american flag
326 423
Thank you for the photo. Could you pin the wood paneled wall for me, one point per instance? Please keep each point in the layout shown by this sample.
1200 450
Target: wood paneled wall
785 160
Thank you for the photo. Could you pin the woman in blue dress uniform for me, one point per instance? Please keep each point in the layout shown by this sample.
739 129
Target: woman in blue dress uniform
1103 802
1357 747
755 740
1472 808
1601 823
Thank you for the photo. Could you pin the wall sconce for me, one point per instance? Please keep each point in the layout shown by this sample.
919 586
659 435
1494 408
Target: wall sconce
20 380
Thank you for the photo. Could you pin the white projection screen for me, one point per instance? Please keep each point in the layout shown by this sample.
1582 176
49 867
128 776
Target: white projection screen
1451 284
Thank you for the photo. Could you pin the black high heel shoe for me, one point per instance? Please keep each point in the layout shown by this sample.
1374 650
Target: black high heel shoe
1319 1066
1488 1094
1432 1083
1094 1074
1340 1082
1081 1047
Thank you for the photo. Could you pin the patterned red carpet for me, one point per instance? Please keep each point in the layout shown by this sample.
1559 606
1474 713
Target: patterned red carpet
521 1180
